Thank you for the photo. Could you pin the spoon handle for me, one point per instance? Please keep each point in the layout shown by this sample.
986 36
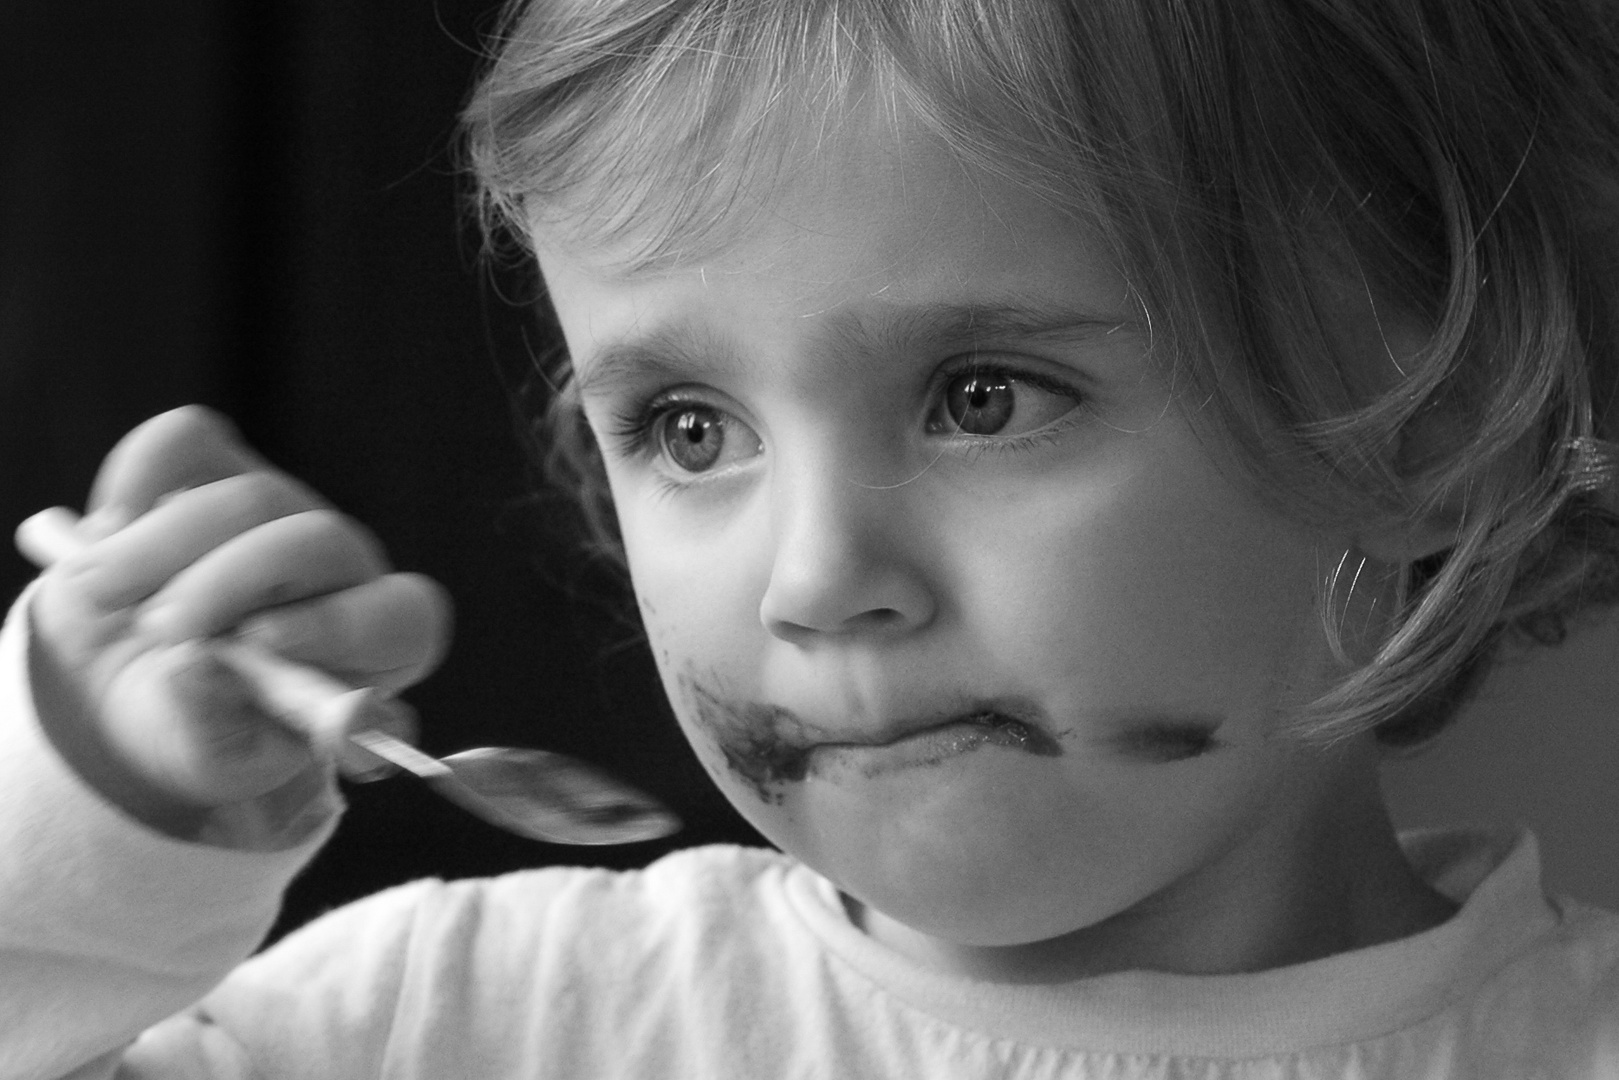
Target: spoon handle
400 753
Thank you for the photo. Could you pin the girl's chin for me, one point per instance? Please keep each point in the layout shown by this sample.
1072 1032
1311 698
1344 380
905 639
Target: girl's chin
967 851
978 896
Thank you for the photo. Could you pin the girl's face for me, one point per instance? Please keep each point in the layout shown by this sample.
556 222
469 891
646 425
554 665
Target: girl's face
956 600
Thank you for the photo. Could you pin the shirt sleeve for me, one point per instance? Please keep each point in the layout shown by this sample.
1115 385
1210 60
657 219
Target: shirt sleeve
107 927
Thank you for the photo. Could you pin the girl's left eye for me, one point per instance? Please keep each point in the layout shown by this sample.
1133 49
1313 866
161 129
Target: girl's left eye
988 402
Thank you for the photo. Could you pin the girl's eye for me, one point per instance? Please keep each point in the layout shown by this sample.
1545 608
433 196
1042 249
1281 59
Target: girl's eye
989 402
698 438
979 403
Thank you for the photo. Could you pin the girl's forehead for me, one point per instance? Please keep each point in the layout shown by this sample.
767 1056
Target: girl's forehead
669 197
888 250
880 198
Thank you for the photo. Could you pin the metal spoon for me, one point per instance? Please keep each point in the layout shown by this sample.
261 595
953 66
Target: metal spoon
533 793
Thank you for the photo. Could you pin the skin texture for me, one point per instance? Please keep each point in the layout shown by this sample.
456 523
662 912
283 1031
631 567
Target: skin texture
850 573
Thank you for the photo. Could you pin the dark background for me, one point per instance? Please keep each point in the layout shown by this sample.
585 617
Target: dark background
255 205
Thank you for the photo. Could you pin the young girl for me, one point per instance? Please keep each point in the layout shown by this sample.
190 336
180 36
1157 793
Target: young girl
1057 447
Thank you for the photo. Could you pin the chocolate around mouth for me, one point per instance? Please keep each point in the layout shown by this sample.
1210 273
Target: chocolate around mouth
768 746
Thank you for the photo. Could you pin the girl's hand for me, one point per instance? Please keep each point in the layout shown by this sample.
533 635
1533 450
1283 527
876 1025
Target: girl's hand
191 535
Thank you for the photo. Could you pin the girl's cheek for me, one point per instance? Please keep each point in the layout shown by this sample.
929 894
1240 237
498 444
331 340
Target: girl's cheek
652 623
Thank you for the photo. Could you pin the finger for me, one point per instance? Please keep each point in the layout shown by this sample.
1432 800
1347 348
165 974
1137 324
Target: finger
284 560
50 536
135 562
180 449
388 632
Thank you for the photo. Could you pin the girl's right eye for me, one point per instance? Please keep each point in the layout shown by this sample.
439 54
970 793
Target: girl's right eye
696 438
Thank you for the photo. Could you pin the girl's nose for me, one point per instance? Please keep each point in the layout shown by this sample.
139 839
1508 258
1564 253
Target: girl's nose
845 563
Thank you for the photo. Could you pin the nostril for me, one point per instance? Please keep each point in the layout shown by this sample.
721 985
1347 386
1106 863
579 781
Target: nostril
876 619
791 632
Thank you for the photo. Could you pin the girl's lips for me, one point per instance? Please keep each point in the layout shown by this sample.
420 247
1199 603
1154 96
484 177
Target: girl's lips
934 744
768 746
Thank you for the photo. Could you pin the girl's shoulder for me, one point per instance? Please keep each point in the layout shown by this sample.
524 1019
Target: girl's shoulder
712 877
535 936
564 914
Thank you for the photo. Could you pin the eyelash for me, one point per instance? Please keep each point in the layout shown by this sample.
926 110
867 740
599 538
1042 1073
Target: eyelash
632 430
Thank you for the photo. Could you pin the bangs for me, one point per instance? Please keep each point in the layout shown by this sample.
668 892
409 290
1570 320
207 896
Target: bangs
663 136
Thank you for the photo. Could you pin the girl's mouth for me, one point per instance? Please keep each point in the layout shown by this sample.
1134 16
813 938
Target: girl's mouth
769 746
936 743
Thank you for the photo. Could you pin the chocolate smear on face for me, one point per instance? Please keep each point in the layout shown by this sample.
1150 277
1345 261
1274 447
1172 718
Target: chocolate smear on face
768 746
762 745
1169 739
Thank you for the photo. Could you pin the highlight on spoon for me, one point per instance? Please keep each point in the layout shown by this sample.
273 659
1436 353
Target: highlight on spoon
400 753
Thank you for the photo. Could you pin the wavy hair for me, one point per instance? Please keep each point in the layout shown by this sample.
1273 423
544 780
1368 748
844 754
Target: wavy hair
1450 163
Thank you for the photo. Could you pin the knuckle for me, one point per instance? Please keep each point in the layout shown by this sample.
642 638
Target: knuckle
88 586
291 631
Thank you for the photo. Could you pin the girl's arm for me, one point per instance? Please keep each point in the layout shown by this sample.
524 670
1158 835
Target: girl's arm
151 809
107 926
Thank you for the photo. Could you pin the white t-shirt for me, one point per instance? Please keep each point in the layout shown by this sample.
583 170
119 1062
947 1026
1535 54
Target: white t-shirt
713 963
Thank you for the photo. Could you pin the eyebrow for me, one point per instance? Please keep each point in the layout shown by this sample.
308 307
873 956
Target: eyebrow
684 350
941 324
679 351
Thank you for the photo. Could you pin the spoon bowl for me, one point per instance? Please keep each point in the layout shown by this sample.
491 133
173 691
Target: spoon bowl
533 793
548 796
